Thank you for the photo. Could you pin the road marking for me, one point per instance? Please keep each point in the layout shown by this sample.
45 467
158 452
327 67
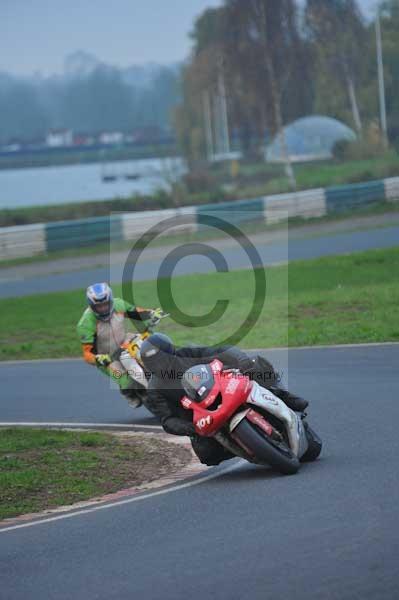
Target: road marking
321 347
161 492
80 425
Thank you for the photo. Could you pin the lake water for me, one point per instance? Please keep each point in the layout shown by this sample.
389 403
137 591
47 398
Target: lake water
77 183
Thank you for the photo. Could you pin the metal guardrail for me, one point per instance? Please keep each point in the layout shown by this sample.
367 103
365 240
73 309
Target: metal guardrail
29 240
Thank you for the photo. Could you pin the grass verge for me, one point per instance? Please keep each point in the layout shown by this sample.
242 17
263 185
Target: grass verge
41 469
335 300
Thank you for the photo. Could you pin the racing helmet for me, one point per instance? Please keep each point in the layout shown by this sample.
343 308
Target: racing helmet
101 301
156 353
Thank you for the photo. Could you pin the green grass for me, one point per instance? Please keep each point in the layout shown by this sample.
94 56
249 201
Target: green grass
263 179
78 210
42 469
345 299
341 173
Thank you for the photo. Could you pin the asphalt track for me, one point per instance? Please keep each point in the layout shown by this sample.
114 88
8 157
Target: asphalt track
292 248
329 532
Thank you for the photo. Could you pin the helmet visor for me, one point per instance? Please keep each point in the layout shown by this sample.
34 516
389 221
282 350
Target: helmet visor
102 308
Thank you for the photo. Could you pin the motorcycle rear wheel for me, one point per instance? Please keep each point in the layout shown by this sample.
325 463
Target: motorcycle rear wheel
264 450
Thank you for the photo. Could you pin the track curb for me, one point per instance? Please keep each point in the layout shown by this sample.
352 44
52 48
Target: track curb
192 469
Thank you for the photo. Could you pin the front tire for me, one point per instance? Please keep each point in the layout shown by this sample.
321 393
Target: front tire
315 445
282 460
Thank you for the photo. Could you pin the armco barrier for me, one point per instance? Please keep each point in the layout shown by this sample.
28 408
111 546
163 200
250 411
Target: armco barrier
311 203
350 196
392 189
136 224
61 235
22 241
29 240
237 212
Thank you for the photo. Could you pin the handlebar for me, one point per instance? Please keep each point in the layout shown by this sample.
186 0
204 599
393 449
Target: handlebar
151 323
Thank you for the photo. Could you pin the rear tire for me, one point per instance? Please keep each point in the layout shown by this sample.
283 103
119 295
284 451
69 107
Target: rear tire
264 450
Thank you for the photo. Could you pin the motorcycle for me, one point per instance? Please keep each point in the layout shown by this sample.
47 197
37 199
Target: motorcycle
247 419
128 354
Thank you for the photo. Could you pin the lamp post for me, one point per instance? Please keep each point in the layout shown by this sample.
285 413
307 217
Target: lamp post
381 84
208 125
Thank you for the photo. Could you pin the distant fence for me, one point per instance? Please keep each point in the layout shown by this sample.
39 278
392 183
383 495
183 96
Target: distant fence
30 240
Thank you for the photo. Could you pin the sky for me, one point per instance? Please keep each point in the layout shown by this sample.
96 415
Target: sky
37 35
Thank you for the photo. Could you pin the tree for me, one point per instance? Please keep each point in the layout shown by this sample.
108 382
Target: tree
337 30
390 43
262 61
102 101
199 87
22 115
264 14
188 120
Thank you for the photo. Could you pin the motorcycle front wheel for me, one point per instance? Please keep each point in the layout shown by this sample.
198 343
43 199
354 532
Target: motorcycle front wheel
315 445
279 457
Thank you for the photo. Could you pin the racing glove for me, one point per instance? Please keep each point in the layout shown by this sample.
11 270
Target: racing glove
103 360
157 313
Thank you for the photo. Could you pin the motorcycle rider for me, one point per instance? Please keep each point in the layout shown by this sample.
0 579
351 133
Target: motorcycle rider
167 366
102 328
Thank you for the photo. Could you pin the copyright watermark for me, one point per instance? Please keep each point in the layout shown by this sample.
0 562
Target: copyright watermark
228 249
206 269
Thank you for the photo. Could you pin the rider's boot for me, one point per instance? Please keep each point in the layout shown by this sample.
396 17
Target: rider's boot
131 397
263 373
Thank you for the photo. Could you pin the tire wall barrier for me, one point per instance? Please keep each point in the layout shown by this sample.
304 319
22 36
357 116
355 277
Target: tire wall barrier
63 235
172 220
392 189
22 241
311 203
235 213
351 196
30 240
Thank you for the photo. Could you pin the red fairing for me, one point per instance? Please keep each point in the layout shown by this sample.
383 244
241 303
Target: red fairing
234 389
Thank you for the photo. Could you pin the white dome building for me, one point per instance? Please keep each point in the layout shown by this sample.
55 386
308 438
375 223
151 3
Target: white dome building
310 138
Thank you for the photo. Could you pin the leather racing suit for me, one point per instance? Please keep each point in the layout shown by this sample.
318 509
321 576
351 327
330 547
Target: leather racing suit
105 337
